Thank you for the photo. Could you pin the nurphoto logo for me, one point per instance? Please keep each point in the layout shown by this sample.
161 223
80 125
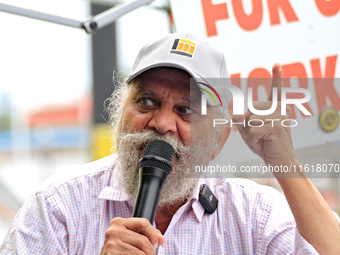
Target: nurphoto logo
239 102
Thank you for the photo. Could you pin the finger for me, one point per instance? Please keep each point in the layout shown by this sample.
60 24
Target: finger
276 82
255 138
161 238
259 135
118 235
120 247
139 241
142 226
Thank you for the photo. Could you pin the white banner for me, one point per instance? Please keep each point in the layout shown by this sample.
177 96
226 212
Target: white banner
303 35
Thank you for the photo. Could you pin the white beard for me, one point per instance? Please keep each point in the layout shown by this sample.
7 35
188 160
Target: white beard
179 185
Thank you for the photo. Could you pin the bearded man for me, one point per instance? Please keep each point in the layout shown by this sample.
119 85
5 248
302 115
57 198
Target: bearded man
90 211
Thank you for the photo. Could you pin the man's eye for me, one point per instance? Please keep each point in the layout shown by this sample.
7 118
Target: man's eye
146 101
185 110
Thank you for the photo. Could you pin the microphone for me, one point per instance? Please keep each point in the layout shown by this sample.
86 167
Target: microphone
155 167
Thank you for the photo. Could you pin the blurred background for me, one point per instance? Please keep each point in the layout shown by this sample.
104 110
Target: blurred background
53 83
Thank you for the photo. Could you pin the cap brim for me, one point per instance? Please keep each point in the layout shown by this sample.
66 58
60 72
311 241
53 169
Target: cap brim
134 75
197 78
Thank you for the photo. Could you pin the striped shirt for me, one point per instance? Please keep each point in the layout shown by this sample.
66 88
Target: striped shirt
69 215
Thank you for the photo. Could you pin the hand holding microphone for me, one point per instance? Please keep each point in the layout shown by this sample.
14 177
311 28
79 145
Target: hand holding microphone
133 235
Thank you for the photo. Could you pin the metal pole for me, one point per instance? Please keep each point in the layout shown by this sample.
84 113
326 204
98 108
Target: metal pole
41 16
91 25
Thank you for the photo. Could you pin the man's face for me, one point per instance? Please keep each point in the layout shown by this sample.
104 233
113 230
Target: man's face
160 101
159 106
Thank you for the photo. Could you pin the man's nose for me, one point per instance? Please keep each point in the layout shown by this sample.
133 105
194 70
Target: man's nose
163 120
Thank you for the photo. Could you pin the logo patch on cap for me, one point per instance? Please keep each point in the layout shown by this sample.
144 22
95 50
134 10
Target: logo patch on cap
184 47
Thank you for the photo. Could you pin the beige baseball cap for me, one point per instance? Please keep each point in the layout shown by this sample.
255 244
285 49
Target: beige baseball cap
206 64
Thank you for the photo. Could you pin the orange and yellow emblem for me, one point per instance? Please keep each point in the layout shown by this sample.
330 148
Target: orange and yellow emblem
184 47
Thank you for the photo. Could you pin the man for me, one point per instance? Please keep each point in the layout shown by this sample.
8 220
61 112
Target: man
90 211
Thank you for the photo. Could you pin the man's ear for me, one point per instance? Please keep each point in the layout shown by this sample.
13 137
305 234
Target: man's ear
223 137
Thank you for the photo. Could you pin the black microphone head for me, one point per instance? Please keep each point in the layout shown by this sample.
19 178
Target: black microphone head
158 154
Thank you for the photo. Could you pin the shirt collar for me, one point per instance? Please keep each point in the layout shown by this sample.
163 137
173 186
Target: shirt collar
196 205
115 191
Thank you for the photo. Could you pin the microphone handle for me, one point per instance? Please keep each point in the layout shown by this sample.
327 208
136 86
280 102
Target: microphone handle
151 182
